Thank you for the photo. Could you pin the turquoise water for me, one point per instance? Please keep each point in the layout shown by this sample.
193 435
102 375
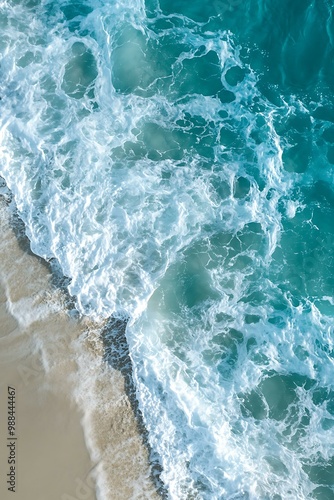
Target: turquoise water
177 159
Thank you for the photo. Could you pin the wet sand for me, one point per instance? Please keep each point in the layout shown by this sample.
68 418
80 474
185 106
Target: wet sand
77 436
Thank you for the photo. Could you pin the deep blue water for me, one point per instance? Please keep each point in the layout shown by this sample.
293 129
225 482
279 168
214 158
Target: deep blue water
177 158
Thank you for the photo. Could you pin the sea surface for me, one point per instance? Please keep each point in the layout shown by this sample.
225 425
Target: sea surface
177 158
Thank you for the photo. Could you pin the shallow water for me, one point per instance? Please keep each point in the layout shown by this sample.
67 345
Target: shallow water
177 159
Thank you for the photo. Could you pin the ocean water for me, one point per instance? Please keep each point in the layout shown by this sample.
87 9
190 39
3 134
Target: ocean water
177 159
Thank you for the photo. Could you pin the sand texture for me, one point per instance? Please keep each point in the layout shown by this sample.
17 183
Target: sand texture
75 412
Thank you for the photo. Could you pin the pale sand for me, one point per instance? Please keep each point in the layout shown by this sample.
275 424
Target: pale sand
56 365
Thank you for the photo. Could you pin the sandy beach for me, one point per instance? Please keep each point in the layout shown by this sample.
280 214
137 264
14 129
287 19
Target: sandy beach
76 436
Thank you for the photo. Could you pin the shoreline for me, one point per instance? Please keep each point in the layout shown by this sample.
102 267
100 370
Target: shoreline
76 417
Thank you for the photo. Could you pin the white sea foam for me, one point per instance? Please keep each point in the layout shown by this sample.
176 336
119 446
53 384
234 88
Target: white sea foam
132 228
